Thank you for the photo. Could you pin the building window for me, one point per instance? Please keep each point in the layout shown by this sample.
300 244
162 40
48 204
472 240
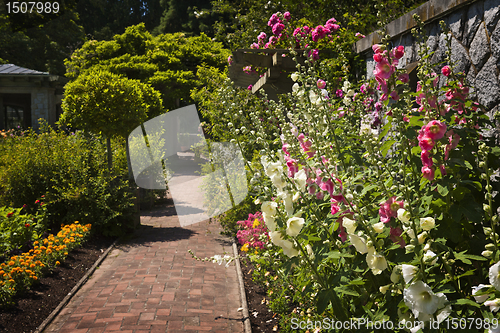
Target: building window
14 117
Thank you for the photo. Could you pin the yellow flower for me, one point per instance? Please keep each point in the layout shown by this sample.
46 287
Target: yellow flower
57 263
256 223
244 247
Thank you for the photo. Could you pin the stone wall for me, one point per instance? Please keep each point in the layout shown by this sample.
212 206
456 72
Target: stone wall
475 46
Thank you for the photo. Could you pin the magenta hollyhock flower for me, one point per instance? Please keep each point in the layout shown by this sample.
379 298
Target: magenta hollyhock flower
273 20
339 93
405 78
426 158
278 28
435 129
250 87
342 233
320 195
442 168
378 106
378 57
446 70
428 173
327 186
395 236
383 97
254 46
399 52
312 189
287 16
394 95
383 69
319 32
230 60
262 37
315 55
389 209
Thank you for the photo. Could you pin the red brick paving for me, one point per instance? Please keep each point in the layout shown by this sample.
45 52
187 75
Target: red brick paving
151 284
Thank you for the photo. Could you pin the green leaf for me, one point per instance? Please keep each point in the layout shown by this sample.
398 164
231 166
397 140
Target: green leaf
495 151
338 254
443 190
416 121
323 301
384 131
386 146
465 301
345 291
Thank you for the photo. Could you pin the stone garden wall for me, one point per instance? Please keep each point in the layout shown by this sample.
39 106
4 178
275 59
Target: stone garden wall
475 43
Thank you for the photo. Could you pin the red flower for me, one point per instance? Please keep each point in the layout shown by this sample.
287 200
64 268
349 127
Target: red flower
27 225
10 214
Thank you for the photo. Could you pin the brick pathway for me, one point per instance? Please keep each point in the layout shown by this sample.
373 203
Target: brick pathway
151 283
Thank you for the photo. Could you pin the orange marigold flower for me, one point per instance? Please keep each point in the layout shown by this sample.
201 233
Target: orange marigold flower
34 277
32 265
12 281
35 242
12 263
57 263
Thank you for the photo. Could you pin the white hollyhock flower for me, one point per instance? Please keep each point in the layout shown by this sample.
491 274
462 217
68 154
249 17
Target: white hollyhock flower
310 252
270 222
481 298
294 76
443 313
403 215
274 168
288 248
494 304
430 257
384 289
295 87
421 237
420 298
296 196
301 179
288 201
294 225
375 261
495 275
427 223
269 208
408 272
378 227
276 237
409 231
359 243
278 181
349 225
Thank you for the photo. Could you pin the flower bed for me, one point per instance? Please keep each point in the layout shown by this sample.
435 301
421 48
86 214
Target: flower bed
380 202
20 272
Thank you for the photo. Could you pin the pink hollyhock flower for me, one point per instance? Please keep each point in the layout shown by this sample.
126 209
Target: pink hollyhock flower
261 37
399 52
331 21
320 195
230 60
428 173
301 137
359 35
388 113
278 28
426 143
394 95
383 69
273 40
327 186
321 84
284 147
312 189
382 85
319 33
254 46
339 93
287 16
378 57
389 209
273 20
426 158
442 168
334 208
405 78
435 129
395 236
250 87
378 106
342 233
446 70
377 48
383 97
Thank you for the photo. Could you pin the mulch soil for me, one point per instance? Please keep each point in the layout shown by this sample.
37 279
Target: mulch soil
261 318
30 310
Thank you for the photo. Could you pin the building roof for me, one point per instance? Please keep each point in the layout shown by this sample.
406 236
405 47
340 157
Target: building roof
10 69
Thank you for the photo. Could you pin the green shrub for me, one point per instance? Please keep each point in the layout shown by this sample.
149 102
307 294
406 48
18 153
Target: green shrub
70 172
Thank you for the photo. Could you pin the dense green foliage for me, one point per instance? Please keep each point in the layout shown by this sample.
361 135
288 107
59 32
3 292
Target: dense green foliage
70 172
169 63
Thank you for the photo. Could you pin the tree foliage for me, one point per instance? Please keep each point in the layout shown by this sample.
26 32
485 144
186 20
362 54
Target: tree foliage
168 62
105 103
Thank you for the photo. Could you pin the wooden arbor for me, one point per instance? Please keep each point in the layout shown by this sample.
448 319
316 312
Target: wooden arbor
278 64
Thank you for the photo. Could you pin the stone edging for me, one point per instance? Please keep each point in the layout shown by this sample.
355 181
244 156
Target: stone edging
244 305
73 291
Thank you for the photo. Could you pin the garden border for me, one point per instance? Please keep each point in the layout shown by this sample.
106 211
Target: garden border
244 304
73 291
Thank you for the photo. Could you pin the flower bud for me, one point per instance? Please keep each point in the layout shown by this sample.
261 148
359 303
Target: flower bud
487 254
489 247
380 242
487 231
410 248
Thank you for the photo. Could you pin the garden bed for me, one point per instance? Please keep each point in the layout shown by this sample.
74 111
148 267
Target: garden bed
37 304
